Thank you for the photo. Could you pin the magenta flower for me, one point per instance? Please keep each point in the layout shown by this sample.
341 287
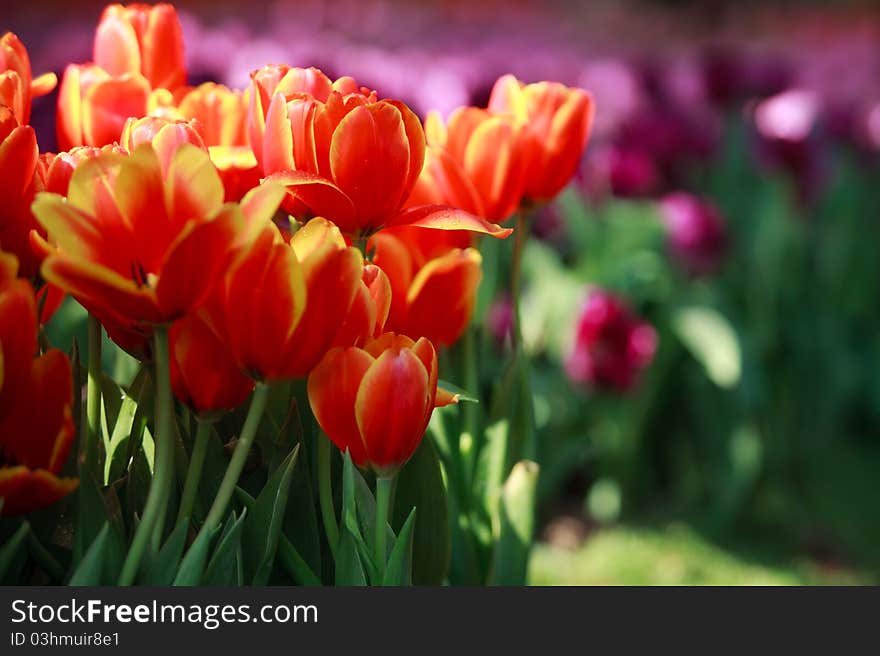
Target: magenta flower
695 231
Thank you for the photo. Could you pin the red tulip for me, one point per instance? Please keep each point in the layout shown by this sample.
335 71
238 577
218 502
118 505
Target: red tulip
433 288
203 375
375 402
18 164
141 243
55 170
164 134
143 39
93 105
558 119
17 88
36 423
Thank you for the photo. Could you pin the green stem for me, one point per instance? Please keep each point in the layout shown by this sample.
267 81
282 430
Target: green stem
92 419
325 493
520 235
383 498
468 451
194 473
163 470
236 464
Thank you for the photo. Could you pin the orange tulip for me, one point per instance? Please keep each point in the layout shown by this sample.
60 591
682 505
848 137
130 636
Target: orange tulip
369 310
36 423
54 170
476 161
142 39
164 134
17 88
18 164
93 105
433 285
203 375
375 402
342 152
221 114
559 119
281 307
141 243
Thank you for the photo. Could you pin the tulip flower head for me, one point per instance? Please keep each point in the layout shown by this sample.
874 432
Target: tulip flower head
143 39
612 346
203 375
36 422
375 402
17 88
558 120
433 289
139 241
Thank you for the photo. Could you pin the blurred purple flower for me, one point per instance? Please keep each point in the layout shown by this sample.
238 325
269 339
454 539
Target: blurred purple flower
499 319
612 345
695 232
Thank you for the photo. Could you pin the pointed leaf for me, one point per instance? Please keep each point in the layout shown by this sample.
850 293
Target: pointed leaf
224 567
398 571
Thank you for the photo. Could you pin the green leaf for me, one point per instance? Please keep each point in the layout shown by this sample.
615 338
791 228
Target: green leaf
517 525
162 568
713 342
192 567
225 566
349 568
398 571
420 485
102 561
301 519
263 526
11 549
91 516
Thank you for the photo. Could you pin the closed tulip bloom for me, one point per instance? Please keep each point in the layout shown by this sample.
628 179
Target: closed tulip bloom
36 422
369 310
612 345
164 134
17 87
203 375
94 105
433 288
143 39
18 165
476 162
696 233
559 119
139 242
375 402
54 170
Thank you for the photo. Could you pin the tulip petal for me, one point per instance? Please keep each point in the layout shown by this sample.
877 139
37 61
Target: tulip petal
320 195
439 217
277 151
116 48
24 491
333 392
198 256
193 188
259 206
108 103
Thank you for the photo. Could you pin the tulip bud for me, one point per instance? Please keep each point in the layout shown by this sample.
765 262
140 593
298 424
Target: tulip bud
696 233
375 402
142 39
612 346
164 134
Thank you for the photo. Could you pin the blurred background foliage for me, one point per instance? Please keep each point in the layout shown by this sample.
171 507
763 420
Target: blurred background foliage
748 451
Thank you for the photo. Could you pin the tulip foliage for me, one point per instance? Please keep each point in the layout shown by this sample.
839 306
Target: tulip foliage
292 270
